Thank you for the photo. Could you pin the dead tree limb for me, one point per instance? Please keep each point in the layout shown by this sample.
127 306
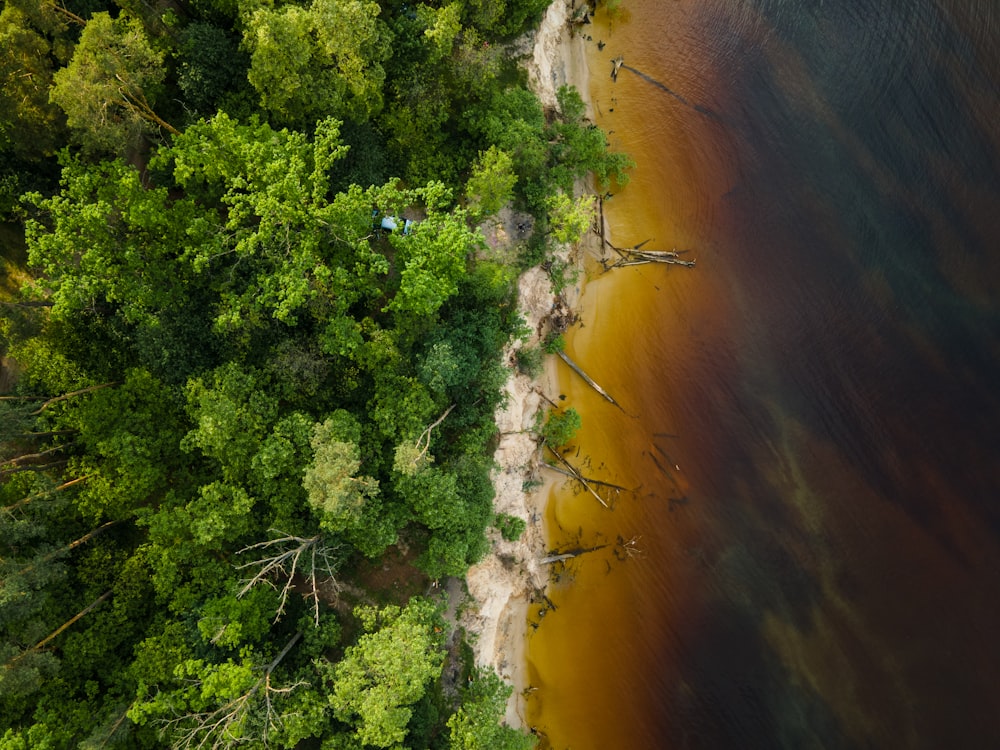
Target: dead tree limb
28 457
569 554
58 8
66 548
616 487
36 467
578 476
55 633
664 470
224 726
549 400
635 256
56 399
287 562
628 549
64 486
589 380
424 441
616 65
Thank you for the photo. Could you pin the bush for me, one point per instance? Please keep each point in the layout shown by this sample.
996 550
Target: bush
529 361
511 527
559 429
555 343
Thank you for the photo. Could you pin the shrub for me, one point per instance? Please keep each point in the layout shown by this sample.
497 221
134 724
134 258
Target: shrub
559 429
555 342
511 527
529 361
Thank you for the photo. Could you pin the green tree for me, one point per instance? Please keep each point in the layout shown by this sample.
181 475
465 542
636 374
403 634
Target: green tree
107 241
478 722
433 258
559 428
211 67
30 125
331 480
220 705
109 88
492 182
129 446
380 678
442 27
299 250
569 220
579 146
232 410
318 61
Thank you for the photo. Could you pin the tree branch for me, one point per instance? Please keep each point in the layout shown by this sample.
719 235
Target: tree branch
25 500
71 394
62 627
285 564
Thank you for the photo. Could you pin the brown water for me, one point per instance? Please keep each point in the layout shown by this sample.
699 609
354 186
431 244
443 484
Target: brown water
811 418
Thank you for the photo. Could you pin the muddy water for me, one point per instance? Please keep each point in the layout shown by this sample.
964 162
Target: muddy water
810 429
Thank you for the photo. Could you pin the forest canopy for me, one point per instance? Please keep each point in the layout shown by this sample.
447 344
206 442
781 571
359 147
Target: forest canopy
253 360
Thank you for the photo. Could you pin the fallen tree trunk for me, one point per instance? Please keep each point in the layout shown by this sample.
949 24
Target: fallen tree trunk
569 555
575 474
635 256
589 380
61 628
564 472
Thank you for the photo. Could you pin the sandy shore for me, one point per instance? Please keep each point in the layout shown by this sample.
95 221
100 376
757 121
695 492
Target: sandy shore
502 585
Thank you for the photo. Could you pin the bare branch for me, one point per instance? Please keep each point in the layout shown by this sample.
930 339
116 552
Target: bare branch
319 569
65 396
628 549
425 436
221 727
61 628
577 475
25 500
29 457
69 14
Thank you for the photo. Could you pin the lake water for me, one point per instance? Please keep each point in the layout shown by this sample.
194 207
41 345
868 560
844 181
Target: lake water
810 432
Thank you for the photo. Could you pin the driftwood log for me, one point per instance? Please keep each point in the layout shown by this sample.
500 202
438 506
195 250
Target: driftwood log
636 256
616 66
596 482
569 554
573 472
589 380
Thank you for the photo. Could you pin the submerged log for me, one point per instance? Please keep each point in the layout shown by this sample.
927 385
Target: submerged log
589 380
666 472
636 256
616 487
575 474
569 555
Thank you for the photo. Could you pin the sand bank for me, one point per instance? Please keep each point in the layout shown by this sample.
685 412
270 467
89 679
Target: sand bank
503 584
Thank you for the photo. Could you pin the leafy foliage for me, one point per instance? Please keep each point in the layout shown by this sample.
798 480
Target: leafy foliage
511 527
322 60
210 67
30 125
107 90
386 672
477 724
559 428
234 386
492 182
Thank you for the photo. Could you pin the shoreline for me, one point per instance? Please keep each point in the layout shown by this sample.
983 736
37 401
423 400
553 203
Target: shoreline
503 584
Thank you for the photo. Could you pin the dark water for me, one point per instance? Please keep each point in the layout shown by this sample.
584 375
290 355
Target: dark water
832 370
